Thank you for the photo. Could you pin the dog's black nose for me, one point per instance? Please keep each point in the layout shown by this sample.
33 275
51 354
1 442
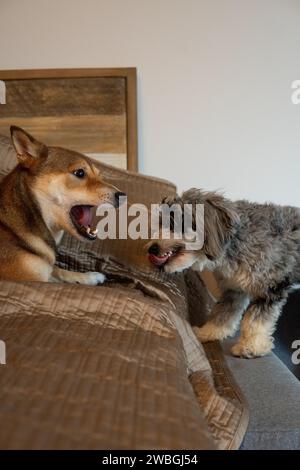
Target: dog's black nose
154 249
118 195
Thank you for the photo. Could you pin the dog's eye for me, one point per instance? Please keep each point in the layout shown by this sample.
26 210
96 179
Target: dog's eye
80 173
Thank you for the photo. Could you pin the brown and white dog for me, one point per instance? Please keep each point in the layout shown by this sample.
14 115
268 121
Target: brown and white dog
50 191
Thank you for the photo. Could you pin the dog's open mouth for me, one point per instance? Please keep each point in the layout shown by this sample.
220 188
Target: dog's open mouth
160 260
82 217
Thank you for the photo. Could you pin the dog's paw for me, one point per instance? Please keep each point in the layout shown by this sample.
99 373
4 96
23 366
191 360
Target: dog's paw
92 278
211 332
255 347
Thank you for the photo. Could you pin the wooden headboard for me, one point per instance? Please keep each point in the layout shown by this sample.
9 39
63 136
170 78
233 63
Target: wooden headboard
92 111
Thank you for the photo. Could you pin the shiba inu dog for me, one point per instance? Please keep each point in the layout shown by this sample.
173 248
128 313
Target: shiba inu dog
50 191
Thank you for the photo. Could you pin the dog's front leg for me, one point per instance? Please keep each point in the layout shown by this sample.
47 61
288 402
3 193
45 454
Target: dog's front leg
224 318
89 278
257 328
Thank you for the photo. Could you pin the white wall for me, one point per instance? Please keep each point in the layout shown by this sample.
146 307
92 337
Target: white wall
214 81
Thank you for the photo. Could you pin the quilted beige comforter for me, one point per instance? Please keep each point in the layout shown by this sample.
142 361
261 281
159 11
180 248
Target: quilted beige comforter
115 366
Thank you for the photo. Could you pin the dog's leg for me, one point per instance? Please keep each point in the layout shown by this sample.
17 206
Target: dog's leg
225 317
89 278
257 328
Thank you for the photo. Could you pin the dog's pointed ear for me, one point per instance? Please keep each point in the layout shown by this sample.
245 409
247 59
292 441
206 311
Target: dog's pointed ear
220 218
28 149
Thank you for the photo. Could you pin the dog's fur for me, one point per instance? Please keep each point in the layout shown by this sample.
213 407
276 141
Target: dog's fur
36 200
254 251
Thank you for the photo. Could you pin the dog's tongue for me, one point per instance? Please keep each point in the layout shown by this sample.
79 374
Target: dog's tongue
83 215
157 260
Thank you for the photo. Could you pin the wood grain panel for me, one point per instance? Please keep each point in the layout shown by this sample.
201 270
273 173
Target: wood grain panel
65 96
89 110
87 134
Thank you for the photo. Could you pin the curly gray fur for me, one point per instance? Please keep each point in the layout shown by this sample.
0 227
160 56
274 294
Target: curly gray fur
254 251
